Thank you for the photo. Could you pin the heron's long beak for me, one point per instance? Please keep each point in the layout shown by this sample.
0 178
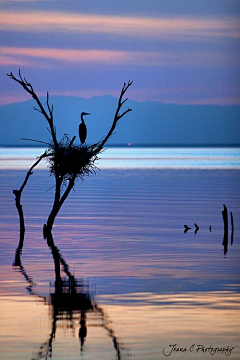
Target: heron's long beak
83 114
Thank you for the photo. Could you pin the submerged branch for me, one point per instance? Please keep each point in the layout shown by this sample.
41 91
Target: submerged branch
18 194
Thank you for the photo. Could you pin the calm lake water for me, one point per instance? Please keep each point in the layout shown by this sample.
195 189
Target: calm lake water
137 158
142 284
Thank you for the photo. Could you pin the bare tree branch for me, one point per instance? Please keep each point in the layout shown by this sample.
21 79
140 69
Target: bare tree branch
62 152
18 194
29 173
34 108
28 87
39 141
117 117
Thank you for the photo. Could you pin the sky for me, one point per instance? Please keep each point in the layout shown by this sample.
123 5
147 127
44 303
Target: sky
175 51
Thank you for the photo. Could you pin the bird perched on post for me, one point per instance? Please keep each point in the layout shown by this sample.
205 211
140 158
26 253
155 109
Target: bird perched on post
83 129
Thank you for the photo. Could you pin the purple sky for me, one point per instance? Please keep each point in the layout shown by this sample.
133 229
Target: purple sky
175 51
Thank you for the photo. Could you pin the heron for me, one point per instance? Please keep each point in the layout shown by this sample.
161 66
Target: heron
83 128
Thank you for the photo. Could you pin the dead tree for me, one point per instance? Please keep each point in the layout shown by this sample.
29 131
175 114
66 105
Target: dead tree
66 161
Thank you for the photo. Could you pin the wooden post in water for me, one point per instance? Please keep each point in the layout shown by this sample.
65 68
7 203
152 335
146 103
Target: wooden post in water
225 222
232 228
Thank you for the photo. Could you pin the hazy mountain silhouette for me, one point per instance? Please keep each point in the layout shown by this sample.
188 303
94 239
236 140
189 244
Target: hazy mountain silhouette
150 123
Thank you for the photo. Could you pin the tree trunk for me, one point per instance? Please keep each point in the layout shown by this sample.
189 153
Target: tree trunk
57 206
51 218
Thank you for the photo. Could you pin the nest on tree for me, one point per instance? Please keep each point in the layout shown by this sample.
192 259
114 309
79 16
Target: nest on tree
69 160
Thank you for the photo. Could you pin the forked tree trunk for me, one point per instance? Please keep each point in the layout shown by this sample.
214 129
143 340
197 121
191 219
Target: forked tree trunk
59 198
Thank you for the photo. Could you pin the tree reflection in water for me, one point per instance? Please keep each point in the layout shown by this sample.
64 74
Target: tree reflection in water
70 300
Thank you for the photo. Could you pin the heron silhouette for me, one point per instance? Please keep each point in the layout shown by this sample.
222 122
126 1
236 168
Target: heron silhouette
83 128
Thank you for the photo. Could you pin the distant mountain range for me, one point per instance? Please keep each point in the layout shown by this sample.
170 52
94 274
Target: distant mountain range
150 123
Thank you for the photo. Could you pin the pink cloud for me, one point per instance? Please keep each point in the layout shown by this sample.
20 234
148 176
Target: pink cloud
21 56
130 26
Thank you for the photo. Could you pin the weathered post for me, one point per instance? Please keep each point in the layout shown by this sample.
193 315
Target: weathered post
225 222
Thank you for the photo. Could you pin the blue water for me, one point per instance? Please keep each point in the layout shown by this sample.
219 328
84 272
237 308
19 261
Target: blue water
137 158
122 232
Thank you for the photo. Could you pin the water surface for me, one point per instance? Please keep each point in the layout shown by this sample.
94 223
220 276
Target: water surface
137 158
121 233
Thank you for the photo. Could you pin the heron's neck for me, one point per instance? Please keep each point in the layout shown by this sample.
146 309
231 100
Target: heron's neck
82 119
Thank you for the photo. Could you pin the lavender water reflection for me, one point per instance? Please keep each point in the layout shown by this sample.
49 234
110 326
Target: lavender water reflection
70 297
157 285
70 300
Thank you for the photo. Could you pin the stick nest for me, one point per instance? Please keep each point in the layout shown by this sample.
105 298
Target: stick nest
70 160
